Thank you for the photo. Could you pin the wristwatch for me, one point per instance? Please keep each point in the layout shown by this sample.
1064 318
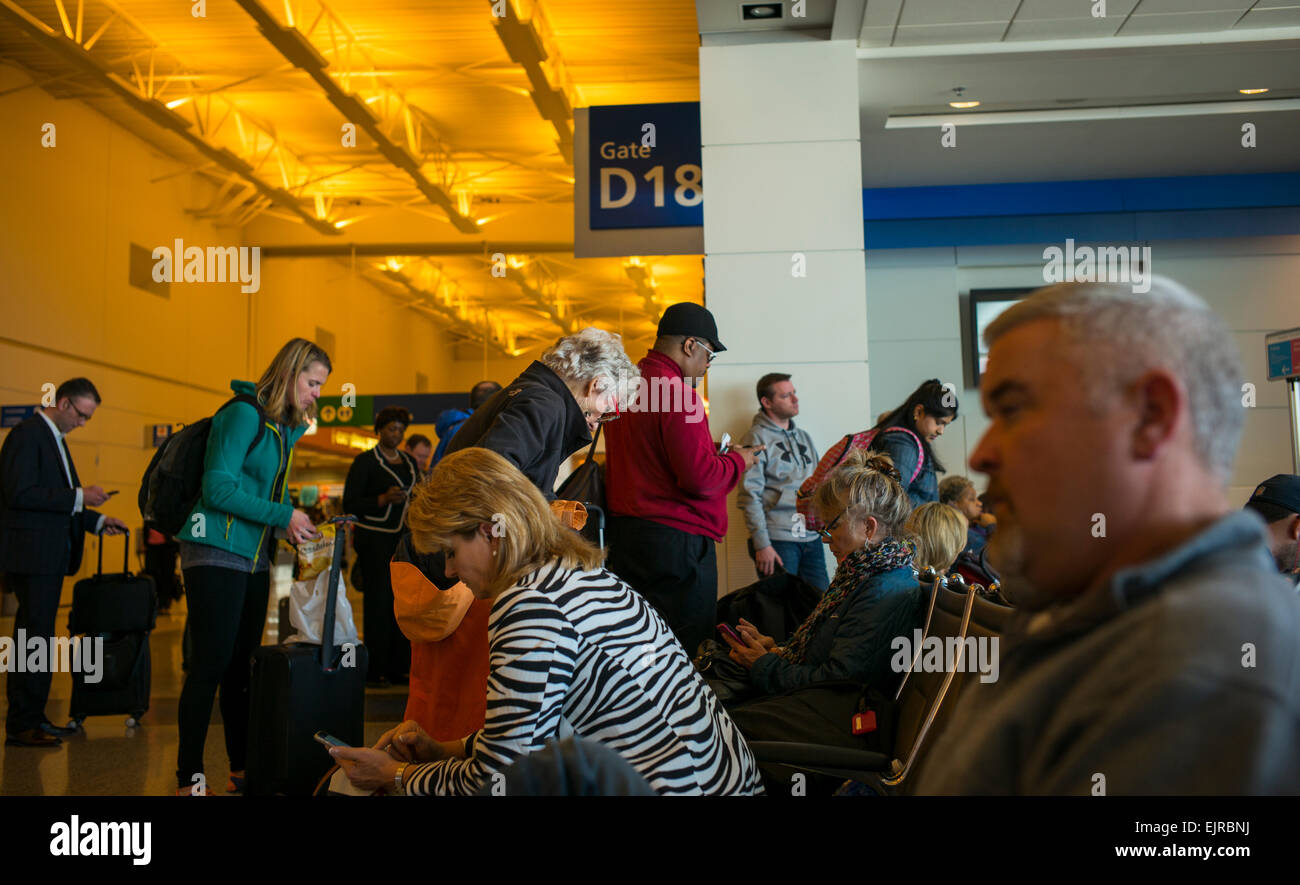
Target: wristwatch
397 778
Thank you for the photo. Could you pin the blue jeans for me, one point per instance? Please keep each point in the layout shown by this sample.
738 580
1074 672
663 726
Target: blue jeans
803 559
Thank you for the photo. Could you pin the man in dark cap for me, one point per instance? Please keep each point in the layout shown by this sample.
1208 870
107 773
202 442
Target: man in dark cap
666 482
1278 501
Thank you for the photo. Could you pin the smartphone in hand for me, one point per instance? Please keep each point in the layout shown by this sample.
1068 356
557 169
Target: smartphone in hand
729 632
725 445
328 740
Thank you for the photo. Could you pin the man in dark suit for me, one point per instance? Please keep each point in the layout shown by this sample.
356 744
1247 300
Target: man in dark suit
44 517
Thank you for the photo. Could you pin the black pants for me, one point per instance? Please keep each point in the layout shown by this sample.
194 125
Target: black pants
38 604
676 572
819 714
227 611
390 651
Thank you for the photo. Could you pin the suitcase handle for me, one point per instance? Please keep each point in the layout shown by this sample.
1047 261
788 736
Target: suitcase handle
331 598
126 554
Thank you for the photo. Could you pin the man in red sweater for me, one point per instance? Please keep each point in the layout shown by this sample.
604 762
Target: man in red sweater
666 483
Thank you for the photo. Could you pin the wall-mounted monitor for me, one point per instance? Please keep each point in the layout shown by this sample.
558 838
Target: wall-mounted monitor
985 305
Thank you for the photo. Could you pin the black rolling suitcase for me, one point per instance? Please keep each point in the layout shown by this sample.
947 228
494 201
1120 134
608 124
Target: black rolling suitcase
297 690
118 610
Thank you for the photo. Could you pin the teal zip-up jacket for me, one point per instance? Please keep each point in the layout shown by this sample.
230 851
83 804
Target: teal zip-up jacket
238 505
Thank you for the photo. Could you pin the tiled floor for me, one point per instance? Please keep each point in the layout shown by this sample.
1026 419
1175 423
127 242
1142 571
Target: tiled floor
110 759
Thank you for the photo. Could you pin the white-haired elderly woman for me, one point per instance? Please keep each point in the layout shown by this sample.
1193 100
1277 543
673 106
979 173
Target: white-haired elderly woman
554 407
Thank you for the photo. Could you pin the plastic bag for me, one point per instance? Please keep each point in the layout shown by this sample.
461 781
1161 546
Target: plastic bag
307 611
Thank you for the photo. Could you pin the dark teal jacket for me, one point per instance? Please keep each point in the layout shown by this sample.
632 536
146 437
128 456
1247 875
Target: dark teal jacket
238 505
854 643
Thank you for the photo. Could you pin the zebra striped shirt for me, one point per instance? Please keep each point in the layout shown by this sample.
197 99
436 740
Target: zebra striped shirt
580 652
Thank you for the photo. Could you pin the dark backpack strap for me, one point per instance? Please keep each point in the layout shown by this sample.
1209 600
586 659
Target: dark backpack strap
261 417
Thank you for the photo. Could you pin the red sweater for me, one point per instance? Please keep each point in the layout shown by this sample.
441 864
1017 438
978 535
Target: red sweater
661 463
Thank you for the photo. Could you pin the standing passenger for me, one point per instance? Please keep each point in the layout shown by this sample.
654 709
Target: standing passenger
667 484
226 546
376 491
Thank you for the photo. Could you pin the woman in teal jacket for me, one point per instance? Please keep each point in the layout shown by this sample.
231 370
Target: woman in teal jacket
227 543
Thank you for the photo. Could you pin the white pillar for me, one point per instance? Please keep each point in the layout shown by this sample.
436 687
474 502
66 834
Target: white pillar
784 266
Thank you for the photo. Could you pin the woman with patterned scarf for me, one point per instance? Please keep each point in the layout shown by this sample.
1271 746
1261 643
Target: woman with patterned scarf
846 642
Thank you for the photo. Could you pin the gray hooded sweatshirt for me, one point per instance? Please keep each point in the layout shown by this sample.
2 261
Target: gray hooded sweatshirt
767 491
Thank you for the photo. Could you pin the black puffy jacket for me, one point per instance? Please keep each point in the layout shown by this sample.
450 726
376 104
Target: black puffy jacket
534 423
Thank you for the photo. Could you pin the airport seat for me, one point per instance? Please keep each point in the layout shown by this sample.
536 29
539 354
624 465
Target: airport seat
923 702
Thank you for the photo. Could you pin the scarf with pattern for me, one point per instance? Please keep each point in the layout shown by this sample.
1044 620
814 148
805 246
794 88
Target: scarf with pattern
853 570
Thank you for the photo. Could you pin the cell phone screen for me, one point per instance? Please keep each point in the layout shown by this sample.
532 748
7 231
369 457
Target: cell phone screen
328 740
726 630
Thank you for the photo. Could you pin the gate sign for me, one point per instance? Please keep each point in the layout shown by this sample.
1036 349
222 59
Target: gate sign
644 166
12 416
1283 354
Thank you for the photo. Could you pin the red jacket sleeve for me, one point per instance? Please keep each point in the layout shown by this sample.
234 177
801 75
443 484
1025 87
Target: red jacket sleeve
701 472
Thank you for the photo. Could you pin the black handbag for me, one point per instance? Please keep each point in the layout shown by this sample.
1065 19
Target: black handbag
729 680
586 484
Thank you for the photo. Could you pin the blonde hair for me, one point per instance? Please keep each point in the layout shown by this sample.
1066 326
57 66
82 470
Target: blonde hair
940 534
866 484
476 486
277 390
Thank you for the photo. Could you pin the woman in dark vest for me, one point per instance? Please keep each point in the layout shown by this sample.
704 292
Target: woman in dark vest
376 492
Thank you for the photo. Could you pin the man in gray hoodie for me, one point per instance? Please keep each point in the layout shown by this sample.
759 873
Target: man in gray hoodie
1156 650
777 536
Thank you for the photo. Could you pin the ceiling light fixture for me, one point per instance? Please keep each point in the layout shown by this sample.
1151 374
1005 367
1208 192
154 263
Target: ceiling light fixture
960 102
752 11
1252 91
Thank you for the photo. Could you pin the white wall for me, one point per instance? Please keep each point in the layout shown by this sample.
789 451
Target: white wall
784 177
915 327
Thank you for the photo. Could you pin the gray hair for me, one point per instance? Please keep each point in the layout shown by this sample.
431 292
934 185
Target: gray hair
591 353
1168 327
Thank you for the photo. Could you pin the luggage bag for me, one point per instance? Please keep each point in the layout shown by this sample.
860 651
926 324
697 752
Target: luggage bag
119 611
298 689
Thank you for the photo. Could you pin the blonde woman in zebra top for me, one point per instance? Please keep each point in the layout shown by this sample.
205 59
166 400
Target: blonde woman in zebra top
572 650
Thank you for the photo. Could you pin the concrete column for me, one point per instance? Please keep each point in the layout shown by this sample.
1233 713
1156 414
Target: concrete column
784 266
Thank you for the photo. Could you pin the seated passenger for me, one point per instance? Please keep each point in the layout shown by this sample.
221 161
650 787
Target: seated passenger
1154 647
959 492
1278 500
572 651
872 597
940 534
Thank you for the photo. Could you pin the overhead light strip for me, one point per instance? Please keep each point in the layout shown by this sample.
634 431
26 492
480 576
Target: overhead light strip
1080 44
1078 115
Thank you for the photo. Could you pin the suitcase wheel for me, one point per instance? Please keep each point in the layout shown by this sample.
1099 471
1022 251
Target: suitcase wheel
133 720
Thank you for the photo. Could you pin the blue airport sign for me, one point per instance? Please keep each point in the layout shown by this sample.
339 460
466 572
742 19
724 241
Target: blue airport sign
644 166
12 416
